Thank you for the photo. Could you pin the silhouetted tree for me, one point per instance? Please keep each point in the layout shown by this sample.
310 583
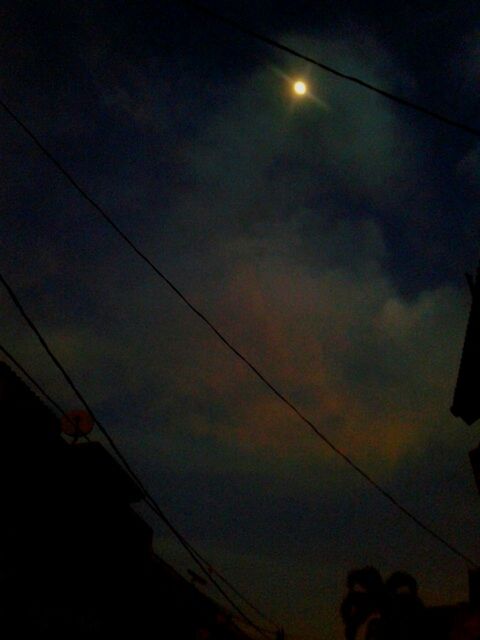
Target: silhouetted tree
382 611
403 613
364 599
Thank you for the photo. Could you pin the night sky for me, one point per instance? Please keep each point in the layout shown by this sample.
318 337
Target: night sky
327 237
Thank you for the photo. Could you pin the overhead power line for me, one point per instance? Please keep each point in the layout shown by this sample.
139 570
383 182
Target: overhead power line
63 413
32 381
149 499
238 593
39 388
405 102
386 494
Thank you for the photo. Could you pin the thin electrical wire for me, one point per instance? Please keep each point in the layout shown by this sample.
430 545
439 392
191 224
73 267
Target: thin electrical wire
237 593
32 380
228 344
205 566
149 499
62 412
405 102
39 388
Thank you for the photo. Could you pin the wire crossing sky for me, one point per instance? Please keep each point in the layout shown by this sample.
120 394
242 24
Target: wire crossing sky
324 235
63 413
405 102
149 499
32 380
386 494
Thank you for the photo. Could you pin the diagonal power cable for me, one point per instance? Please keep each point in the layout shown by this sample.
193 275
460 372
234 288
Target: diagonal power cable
39 388
32 381
63 413
149 499
293 408
405 102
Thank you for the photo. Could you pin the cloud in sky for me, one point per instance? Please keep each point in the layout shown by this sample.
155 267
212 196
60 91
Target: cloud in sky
277 222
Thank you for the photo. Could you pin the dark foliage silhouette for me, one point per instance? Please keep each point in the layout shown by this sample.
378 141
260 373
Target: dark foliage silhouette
378 610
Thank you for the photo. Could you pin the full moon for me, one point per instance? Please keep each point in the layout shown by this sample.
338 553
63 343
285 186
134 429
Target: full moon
300 88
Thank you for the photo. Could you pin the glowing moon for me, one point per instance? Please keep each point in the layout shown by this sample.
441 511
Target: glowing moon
300 88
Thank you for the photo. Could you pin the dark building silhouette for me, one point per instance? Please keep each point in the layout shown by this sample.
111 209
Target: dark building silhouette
75 558
466 400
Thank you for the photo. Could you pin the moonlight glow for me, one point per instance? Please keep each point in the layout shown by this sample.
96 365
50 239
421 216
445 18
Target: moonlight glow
300 88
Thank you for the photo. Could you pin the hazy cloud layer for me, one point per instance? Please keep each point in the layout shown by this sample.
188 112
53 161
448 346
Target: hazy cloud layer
311 234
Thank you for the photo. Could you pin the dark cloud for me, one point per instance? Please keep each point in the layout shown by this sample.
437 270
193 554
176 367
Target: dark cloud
321 236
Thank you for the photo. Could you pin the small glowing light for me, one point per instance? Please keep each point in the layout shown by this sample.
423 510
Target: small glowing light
300 88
